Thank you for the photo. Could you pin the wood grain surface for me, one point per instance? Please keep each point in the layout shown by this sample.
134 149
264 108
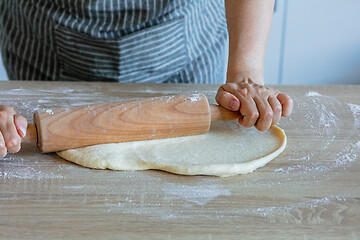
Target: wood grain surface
123 121
311 191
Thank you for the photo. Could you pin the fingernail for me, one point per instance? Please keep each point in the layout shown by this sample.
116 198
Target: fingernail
233 104
22 130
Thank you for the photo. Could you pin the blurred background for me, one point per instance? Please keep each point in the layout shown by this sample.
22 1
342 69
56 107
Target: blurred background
311 42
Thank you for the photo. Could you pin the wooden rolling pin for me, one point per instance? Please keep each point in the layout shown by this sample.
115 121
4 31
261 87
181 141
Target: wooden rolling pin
136 120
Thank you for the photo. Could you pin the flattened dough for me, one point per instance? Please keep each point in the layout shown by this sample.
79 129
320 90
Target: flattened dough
228 149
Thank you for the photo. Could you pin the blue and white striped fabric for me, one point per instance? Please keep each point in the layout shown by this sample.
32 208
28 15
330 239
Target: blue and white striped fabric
175 41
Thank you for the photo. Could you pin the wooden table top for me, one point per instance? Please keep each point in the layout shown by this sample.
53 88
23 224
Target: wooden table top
311 191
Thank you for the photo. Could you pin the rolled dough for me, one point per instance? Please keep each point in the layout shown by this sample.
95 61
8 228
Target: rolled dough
228 149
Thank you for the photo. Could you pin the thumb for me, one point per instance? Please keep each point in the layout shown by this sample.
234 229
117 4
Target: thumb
21 124
227 100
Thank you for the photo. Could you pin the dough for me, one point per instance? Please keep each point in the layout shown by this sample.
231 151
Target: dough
228 149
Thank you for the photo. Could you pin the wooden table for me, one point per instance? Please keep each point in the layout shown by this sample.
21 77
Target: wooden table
311 191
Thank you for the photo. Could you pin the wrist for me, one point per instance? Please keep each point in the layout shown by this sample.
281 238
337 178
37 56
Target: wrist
245 66
245 76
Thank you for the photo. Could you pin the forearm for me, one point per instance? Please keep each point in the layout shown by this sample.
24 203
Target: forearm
249 23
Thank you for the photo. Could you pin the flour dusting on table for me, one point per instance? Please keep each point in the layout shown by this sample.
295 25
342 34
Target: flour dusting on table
18 168
164 196
325 124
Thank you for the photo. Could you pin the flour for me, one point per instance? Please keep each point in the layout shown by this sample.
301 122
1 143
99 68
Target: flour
264 211
187 201
63 90
44 101
303 168
343 159
355 109
19 92
169 98
326 123
313 94
17 166
323 121
349 155
200 194
18 170
306 157
289 213
38 99
49 111
194 98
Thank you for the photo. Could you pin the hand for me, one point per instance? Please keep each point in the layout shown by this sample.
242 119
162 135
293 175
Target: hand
12 129
260 106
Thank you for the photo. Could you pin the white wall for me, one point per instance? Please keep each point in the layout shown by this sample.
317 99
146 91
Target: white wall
3 75
322 42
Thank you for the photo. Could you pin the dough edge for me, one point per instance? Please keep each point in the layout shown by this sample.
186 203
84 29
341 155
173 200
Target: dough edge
220 170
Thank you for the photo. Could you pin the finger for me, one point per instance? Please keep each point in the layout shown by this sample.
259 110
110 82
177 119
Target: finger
248 107
20 124
250 112
276 108
9 132
3 150
266 114
227 100
287 104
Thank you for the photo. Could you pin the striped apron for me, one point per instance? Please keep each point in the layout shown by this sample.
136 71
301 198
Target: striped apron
174 41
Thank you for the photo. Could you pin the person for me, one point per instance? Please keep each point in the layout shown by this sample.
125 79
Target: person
159 41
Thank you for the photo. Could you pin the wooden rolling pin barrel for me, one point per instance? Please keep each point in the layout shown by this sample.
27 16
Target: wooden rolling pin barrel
135 120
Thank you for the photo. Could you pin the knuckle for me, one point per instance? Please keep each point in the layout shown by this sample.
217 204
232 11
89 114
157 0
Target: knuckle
274 92
4 115
243 92
254 115
13 142
264 94
258 90
262 88
268 115
8 109
234 85
277 109
223 87
9 125
251 89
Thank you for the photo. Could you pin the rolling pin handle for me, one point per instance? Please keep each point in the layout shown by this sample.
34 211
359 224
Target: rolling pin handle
31 135
219 113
